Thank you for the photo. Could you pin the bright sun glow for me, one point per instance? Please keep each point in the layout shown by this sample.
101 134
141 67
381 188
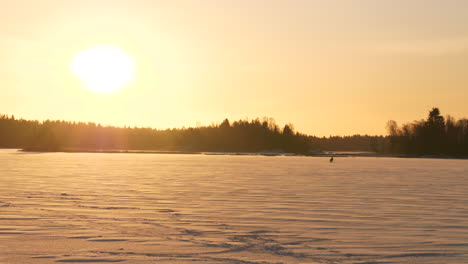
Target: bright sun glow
104 69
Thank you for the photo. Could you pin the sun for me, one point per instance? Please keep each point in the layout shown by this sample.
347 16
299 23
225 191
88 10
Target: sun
104 68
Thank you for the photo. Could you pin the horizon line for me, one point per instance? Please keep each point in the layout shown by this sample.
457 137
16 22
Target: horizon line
214 124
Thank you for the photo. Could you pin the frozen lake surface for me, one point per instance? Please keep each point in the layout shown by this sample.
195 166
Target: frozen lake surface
144 208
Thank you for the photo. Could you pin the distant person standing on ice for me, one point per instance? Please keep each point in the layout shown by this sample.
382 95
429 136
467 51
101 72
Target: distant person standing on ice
331 159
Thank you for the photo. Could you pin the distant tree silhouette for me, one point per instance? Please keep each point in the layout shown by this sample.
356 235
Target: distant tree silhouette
288 130
238 136
435 135
225 124
434 132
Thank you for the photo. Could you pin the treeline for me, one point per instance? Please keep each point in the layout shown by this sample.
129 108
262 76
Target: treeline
435 136
239 136
351 143
246 136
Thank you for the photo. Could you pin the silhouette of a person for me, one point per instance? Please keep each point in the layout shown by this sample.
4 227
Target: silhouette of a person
331 159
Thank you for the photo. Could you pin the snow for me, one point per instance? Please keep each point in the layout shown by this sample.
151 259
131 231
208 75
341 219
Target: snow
166 208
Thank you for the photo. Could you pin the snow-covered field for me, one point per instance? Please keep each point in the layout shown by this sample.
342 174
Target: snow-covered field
144 208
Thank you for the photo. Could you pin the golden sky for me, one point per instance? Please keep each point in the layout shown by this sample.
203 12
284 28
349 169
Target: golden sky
329 67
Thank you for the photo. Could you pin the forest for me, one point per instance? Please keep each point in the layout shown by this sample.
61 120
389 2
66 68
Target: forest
435 135
239 136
